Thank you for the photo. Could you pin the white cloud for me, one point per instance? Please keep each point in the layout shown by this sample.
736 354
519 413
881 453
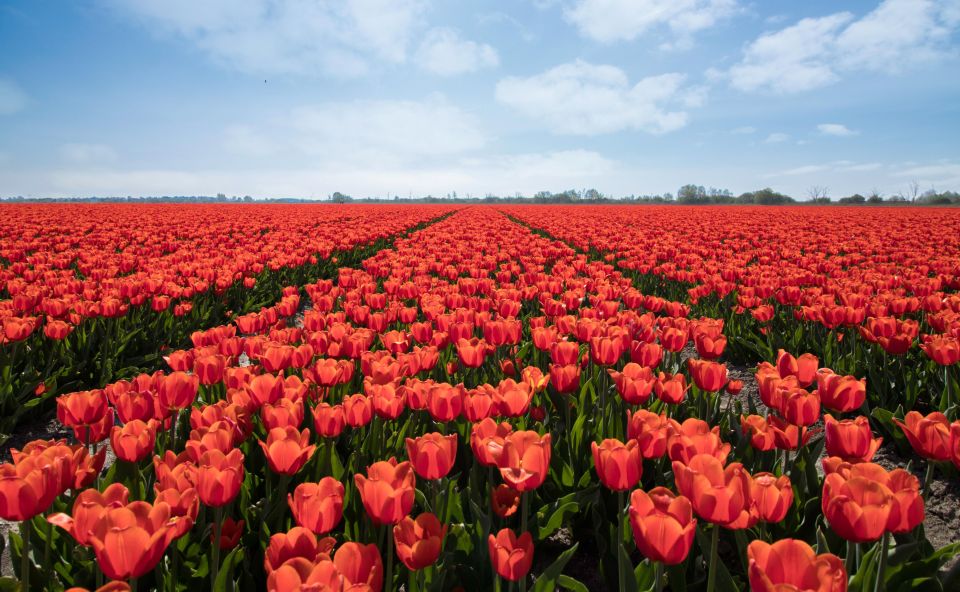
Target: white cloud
836 129
388 131
859 168
340 37
87 153
580 98
792 59
608 21
500 174
942 175
776 138
743 130
816 52
804 170
443 52
12 98
839 166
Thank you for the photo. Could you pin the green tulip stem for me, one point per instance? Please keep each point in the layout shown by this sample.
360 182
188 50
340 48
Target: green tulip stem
215 561
658 576
621 566
524 504
46 551
928 478
884 547
25 528
714 543
389 581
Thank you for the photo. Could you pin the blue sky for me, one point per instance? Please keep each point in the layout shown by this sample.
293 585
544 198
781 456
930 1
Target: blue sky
381 97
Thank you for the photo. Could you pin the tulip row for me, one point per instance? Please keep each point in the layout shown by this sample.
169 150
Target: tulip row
786 279
459 403
83 303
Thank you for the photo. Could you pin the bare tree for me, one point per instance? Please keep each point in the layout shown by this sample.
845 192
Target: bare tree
818 192
913 189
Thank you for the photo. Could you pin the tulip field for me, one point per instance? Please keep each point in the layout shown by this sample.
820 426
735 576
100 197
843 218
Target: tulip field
512 398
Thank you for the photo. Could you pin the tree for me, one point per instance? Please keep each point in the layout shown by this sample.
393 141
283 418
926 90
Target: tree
764 197
856 198
691 194
913 190
817 193
338 197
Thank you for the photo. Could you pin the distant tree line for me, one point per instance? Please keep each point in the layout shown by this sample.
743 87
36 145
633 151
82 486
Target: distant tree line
687 195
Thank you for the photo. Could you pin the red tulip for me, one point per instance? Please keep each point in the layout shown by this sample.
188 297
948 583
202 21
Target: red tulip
857 502
486 440
178 390
650 430
942 349
387 490
419 542
433 454
505 500
708 376
328 420
634 384
130 540
301 574
565 378
317 506
671 389
618 465
287 450
27 488
230 532
840 393
791 564
360 566
511 556
297 542
357 410
850 439
798 406
282 414
694 436
762 436
445 402
772 496
929 436
219 477
472 352
955 443
605 351
525 460
134 441
87 509
663 524
512 398
804 367
478 403
718 495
